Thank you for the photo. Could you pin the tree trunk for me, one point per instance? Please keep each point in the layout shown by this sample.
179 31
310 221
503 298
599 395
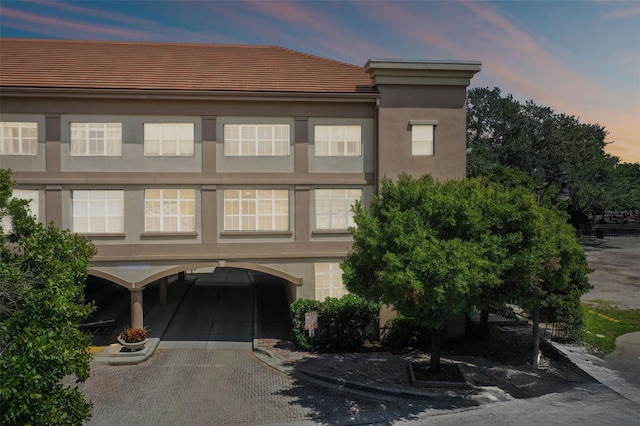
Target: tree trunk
484 323
436 346
536 335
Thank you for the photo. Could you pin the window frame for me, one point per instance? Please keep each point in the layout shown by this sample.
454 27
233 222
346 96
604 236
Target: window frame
22 139
420 146
333 285
332 148
244 209
334 216
181 201
163 140
238 144
107 141
103 197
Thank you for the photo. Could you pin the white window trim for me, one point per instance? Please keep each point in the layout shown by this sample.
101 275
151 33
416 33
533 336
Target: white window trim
341 202
423 147
245 200
105 199
236 147
111 141
331 150
163 141
183 196
23 141
333 286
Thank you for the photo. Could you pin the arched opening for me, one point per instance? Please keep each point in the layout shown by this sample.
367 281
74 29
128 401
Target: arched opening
229 307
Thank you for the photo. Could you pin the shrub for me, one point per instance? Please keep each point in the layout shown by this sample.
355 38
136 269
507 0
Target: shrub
402 332
342 323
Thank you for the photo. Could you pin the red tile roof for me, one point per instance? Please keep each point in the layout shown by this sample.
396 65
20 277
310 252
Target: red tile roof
172 66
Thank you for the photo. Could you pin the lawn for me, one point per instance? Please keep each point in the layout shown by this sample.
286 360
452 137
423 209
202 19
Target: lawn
604 323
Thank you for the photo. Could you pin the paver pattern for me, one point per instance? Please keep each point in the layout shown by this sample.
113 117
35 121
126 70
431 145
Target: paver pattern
209 387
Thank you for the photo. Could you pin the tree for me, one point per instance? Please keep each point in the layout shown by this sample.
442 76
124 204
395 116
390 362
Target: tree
42 273
559 273
539 141
434 249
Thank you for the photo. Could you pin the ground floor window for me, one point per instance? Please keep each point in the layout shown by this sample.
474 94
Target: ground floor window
329 281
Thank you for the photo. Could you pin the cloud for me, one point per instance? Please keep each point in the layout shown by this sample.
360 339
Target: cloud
118 26
627 13
323 30
63 27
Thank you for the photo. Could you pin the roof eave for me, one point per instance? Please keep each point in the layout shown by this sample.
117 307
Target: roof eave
222 95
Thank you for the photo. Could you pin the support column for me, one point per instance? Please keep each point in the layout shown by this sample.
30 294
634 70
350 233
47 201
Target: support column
164 283
137 320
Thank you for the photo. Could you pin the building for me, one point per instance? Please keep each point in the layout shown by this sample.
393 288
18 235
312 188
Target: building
174 157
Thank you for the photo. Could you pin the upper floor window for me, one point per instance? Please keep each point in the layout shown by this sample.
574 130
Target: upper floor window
169 210
98 211
329 281
18 138
333 207
256 139
96 139
33 207
338 141
422 139
256 210
168 139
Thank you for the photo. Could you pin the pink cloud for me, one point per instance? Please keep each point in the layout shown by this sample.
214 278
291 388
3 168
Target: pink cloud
58 27
321 27
629 12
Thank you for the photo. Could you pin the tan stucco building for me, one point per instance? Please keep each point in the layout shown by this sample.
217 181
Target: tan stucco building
175 157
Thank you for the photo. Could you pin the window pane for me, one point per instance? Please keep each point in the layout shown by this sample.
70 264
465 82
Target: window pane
18 138
96 139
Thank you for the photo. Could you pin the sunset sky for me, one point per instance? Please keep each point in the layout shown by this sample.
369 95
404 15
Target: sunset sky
579 57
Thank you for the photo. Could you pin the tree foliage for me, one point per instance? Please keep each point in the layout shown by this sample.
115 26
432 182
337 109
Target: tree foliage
541 142
433 249
42 273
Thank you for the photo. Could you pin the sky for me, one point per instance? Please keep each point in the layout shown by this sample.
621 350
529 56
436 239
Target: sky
581 58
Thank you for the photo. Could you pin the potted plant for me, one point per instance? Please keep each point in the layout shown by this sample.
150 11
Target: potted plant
133 339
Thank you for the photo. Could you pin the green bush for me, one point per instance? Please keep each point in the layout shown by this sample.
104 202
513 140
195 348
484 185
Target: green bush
342 323
402 332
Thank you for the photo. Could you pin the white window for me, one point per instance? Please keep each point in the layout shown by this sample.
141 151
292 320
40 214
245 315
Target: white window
338 141
170 210
168 139
333 207
256 139
256 210
96 139
98 211
329 281
18 138
33 206
422 139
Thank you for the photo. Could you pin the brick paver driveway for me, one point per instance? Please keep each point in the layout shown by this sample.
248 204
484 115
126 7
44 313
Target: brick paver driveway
211 387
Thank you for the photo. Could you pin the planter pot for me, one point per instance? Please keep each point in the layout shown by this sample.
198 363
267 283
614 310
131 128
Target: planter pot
132 346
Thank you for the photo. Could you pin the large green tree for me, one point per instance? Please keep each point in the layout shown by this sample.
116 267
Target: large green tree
433 249
541 142
42 273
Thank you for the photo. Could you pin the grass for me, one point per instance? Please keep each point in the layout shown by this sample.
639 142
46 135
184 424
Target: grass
604 322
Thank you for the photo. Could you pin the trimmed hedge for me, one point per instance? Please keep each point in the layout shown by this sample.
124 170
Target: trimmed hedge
342 323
